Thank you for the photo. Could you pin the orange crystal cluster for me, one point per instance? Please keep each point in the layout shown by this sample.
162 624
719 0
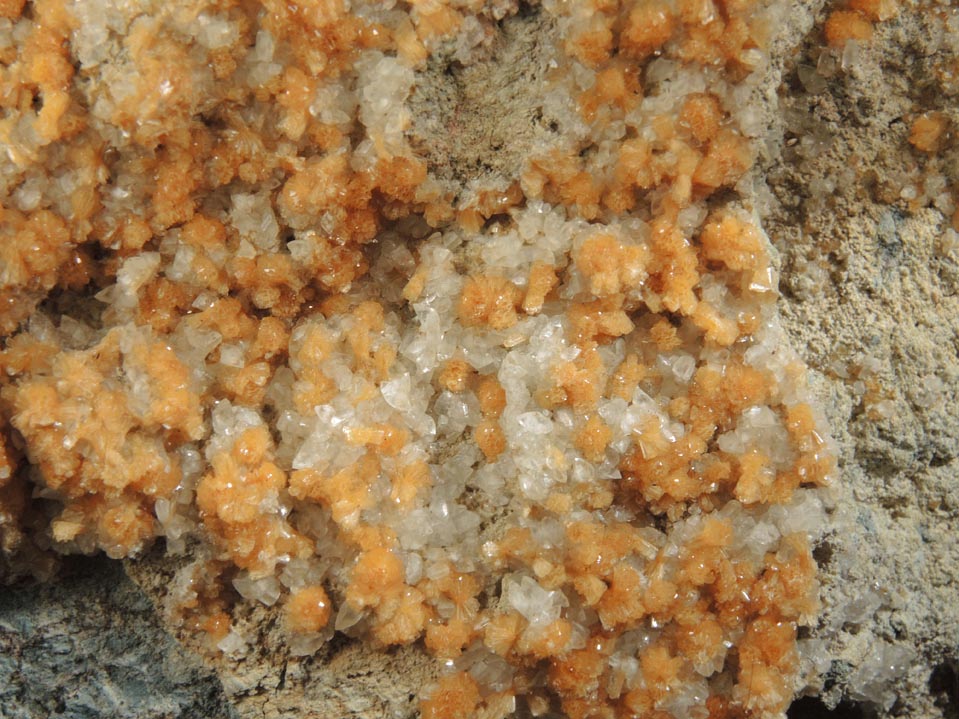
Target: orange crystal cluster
550 429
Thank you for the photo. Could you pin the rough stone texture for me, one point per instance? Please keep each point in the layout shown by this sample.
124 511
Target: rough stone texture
477 115
871 301
91 645
878 320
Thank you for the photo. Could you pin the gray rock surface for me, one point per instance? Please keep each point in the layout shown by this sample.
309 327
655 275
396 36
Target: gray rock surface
91 645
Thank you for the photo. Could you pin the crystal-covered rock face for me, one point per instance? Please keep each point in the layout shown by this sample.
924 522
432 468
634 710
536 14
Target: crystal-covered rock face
544 421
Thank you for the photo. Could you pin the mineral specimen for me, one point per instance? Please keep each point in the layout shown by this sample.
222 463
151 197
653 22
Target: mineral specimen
540 417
